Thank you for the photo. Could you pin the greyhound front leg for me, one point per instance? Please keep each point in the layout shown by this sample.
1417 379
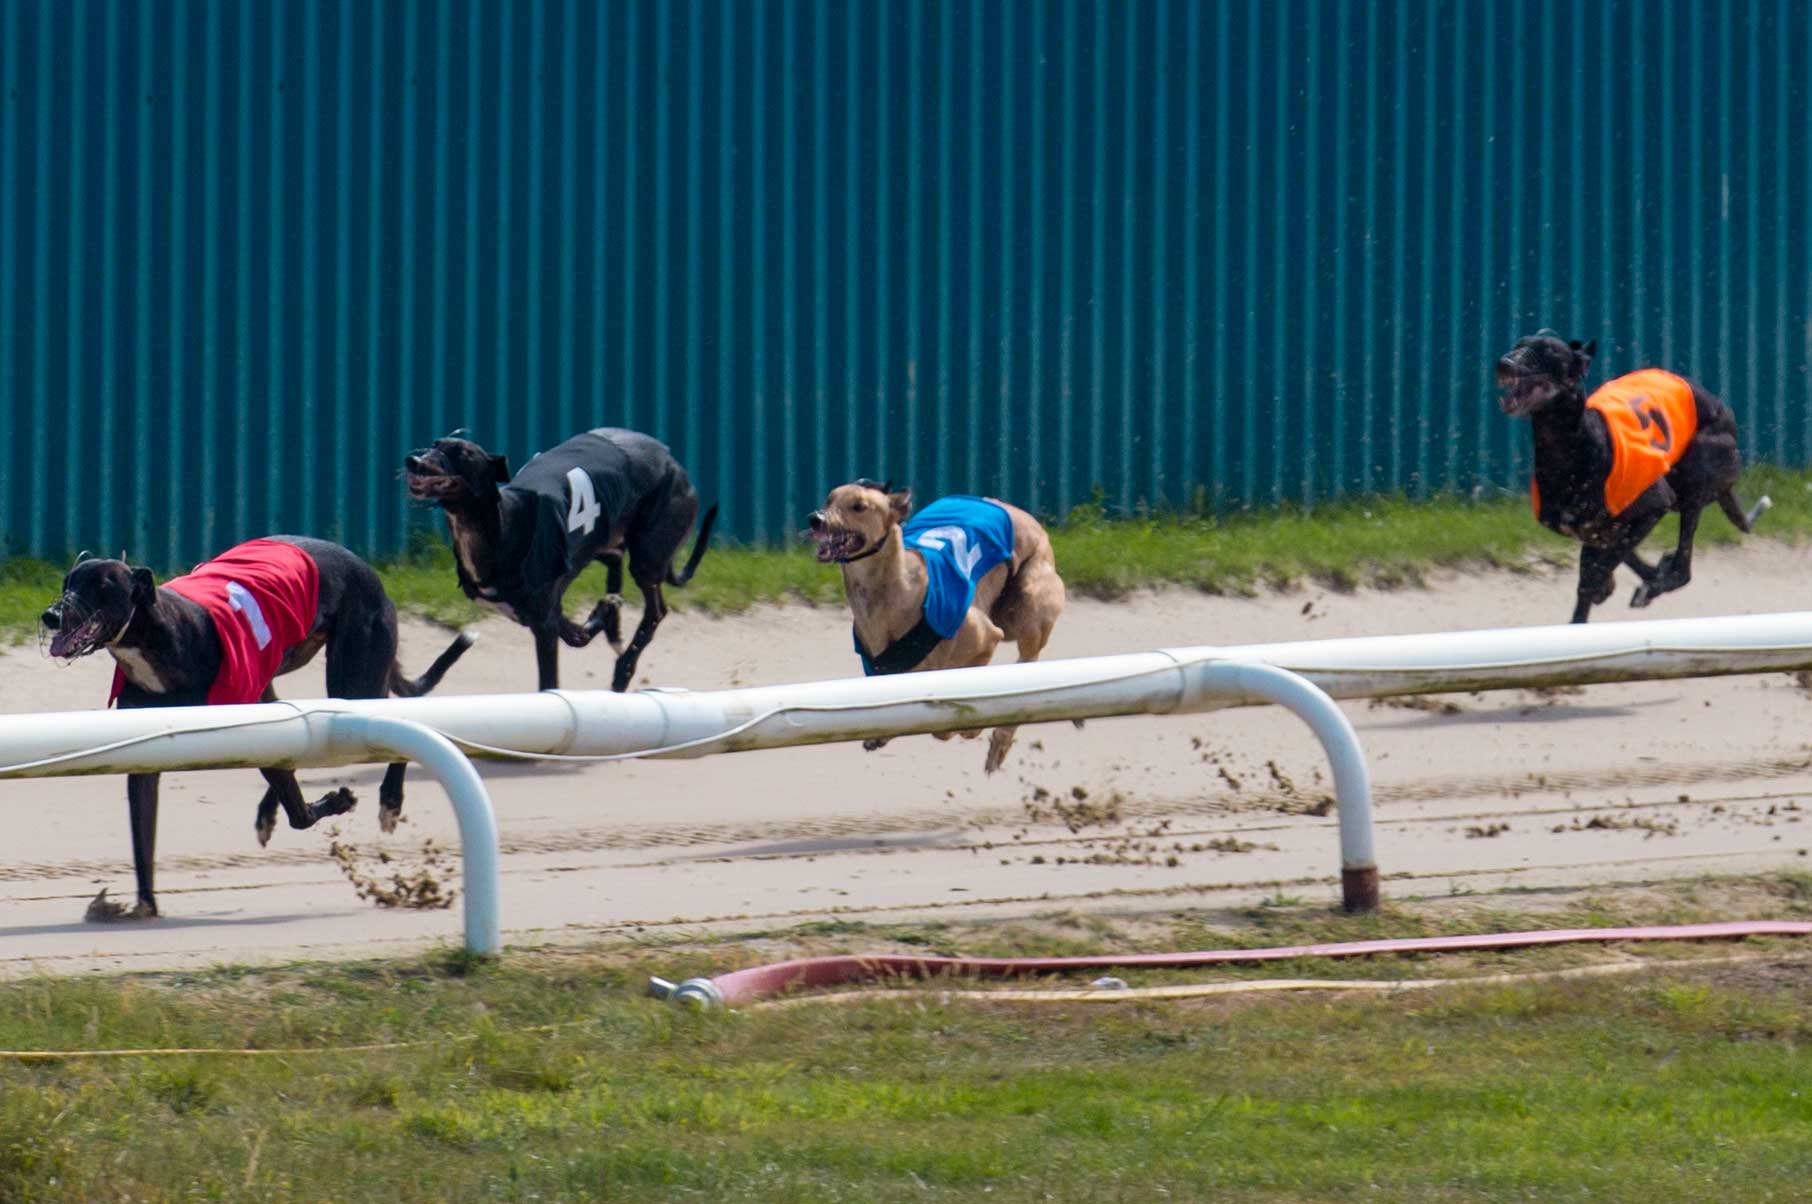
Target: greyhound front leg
1597 567
547 657
141 803
609 612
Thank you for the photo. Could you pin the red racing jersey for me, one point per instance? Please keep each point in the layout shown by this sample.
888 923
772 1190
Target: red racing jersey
262 596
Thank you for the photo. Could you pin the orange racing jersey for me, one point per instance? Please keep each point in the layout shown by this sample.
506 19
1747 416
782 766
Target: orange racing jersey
1651 418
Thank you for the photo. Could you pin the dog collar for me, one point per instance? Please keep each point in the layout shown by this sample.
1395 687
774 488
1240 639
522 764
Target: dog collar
124 627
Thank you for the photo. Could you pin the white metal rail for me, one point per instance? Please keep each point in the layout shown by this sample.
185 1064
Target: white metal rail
597 725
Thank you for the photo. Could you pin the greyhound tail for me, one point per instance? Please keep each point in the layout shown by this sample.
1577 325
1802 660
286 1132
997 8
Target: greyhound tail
698 550
403 687
1733 510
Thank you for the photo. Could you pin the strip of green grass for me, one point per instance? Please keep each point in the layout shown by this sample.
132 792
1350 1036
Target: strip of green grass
1379 541
1676 1085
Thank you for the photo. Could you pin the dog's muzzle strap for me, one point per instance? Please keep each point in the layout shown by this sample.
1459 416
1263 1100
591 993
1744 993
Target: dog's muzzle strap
879 544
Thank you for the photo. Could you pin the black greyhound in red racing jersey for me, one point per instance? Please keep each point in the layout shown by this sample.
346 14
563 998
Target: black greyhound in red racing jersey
218 636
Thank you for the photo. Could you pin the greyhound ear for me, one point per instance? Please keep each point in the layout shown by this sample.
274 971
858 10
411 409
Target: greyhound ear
1582 357
500 468
900 503
144 587
1546 333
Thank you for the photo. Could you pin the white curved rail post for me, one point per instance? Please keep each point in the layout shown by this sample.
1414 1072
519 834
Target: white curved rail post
471 806
1352 781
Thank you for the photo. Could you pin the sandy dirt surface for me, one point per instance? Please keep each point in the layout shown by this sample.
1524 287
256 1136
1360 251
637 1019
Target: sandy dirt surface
1476 794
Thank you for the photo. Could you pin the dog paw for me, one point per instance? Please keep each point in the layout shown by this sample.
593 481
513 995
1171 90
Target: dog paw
878 742
264 827
334 802
389 815
102 910
1642 597
605 615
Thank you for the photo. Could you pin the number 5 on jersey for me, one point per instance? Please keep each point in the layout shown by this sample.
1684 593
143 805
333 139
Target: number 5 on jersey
585 511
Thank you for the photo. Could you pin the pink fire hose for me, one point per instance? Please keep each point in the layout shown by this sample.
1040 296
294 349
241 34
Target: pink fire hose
764 982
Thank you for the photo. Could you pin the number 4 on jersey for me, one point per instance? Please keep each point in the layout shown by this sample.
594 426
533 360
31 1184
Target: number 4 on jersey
585 511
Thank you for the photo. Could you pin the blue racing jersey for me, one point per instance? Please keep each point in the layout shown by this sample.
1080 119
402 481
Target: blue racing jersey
961 540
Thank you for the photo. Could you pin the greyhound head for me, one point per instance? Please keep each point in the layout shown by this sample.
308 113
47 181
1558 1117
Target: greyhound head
454 471
98 601
857 519
1541 367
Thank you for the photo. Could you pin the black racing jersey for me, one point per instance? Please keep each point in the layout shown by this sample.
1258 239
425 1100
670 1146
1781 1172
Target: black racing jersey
563 508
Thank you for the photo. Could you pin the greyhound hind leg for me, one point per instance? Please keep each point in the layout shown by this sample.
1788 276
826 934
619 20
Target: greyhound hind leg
359 661
1031 644
390 796
1675 568
654 609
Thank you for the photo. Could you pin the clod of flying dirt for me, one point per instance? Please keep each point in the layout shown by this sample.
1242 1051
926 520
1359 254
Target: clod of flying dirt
416 887
1417 702
1650 826
1228 844
1548 696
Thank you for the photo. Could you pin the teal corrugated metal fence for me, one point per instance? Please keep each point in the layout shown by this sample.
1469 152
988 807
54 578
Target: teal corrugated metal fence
1181 253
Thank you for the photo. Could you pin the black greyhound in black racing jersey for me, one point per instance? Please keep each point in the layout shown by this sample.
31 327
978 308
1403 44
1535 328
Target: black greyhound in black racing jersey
520 540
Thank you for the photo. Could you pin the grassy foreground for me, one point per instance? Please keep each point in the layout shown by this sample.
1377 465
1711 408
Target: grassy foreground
1380 541
545 1077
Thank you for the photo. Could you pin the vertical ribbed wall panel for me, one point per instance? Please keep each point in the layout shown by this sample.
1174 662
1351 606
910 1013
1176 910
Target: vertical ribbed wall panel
1168 253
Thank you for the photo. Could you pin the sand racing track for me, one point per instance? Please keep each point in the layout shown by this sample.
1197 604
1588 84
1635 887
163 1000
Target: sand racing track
1475 794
